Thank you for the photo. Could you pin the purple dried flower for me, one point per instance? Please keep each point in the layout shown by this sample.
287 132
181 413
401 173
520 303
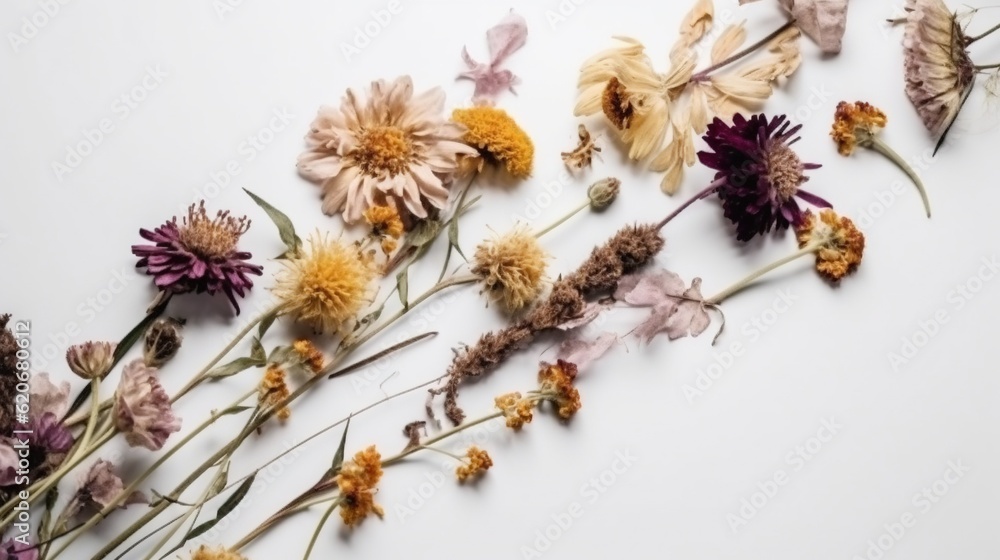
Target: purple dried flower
44 446
198 255
142 408
14 549
758 174
99 488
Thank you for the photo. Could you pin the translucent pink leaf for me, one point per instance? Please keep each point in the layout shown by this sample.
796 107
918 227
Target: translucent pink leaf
504 39
582 352
677 310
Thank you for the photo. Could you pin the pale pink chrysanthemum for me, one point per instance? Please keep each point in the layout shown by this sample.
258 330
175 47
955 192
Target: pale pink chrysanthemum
394 148
939 71
142 408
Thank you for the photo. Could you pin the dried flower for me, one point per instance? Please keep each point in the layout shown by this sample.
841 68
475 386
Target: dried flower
219 553
47 440
504 39
395 149
758 173
386 226
357 480
142 408
311 356
858 124
8 374
479 463
556 385
99 487
603 193
517 411
198 255
13 549
327 285
273 389
91 359
511 268
498 138
162 341
840 243
939 71
583 154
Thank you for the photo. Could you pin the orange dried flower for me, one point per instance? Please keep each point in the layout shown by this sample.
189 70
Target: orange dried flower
273 389
479 463
205 553
386 226
556 384
841 244
517 411
357 480
856 124
498 137
311 356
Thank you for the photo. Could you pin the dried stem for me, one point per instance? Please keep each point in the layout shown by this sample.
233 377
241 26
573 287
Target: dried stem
704 74
884 149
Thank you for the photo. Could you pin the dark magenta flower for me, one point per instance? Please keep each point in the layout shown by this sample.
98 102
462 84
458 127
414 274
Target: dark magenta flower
198 255
758 174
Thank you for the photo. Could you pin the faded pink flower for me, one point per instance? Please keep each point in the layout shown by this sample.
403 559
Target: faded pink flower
99 487
939 72
394 149
91 359
48 397
142 408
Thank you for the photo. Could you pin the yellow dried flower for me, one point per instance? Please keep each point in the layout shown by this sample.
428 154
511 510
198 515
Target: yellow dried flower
357 480
856 124
220 553
384 222
479 463
517 411
498 138
273 389
311 356
556 383
842 244
511 268
327 286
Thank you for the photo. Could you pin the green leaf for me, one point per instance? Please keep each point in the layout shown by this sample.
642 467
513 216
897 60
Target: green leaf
286 230
266 322
403 287
338 457
225 509
234 367
257 350
424 232
234 410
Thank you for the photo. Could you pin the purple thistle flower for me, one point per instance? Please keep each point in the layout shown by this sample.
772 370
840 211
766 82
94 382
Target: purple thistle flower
198 255
758 174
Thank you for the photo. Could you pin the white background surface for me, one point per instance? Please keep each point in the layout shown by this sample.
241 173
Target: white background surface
63 243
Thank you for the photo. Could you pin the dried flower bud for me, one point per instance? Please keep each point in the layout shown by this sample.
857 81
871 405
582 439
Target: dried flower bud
91 360
603 193
163 340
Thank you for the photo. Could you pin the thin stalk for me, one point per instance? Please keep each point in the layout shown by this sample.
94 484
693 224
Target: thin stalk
586 204
982 67
176 525
807 250
700 195
971 40
96 518
95 410
319 527
200 376
443 435
704 74
274 519
884 149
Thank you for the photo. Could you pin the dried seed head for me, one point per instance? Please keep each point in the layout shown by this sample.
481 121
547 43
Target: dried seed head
617 104
162 341
91 360
603 193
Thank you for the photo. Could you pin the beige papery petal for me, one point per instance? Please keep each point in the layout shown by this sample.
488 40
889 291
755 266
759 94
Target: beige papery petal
731 39
701 112
672 160
695 24
783 61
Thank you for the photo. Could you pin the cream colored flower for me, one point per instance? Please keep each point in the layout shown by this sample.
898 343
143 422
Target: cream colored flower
395 148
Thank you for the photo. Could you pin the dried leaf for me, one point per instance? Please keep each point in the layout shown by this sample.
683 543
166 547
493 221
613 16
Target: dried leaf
824 21
504 39
286 230
677 310
590 312
582 352
731 39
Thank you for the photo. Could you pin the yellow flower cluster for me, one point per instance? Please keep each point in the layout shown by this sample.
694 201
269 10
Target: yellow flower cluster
357 481
854 124
517 411
479 463
205 553
273 389
498 138
386 226
556 382
310 355
842 244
